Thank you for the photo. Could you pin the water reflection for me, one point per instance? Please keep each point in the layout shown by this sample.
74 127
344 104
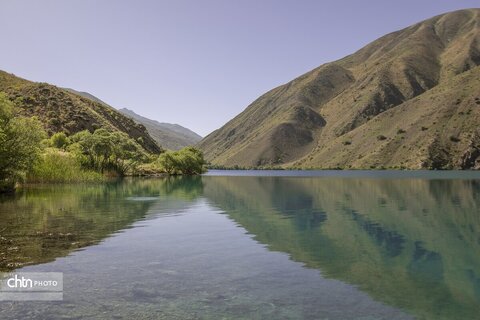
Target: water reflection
411 243
41 223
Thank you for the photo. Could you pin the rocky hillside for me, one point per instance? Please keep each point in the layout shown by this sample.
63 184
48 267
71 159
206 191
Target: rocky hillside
410 99
170 136
63 110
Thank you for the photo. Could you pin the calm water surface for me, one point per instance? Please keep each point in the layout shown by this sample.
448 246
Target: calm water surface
252 245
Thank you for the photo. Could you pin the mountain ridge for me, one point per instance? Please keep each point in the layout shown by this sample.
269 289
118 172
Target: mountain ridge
168 135
171 136
314 120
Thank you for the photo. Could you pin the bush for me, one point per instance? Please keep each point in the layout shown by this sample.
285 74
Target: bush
381 137
59 140
454 139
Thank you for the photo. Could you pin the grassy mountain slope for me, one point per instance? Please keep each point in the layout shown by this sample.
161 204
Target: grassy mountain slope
409 99
62 110
170 136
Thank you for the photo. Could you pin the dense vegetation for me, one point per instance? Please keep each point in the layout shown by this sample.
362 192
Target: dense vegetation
20 139
27 155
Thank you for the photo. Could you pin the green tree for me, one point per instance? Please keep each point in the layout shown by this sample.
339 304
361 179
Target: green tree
168 161
126 154
107 151
188 161
20 144
191 161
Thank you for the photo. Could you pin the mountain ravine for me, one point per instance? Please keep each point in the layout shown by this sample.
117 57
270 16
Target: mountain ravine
410 99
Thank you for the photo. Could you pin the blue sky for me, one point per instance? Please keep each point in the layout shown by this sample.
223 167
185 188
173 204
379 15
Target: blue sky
196 63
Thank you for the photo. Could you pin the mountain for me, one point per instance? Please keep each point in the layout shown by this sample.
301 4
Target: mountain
64 110
410 99
170 136
86 95
167 135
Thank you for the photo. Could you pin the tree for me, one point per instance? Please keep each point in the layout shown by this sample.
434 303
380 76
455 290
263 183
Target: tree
168 161
191 161
126 153
188 161
107 151
20 145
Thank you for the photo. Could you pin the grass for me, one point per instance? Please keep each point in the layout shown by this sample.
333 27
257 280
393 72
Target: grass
57 166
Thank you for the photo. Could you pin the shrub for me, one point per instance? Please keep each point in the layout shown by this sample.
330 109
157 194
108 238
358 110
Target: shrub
59 140
454 139
381 137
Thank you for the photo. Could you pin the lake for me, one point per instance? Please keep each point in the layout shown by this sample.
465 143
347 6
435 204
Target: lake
251 245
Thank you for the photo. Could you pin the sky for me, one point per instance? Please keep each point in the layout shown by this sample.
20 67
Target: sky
197 63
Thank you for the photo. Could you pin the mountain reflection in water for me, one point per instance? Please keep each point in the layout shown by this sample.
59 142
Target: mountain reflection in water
413 244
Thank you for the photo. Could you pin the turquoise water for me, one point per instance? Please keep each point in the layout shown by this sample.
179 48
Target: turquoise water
252 245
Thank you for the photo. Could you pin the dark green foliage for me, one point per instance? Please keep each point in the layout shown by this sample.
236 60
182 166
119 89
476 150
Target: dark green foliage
20 145
187 161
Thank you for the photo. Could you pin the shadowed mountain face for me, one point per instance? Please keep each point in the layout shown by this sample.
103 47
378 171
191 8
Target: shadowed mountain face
69 111
409 99
169 136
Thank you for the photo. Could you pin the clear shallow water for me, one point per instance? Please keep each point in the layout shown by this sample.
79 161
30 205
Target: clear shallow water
320 246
